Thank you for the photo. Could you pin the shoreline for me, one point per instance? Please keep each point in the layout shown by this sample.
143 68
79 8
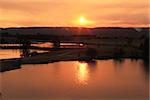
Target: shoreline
60 55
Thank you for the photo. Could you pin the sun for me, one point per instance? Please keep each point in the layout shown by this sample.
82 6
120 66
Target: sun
83 21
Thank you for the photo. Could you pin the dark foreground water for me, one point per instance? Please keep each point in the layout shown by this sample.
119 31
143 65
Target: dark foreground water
72 80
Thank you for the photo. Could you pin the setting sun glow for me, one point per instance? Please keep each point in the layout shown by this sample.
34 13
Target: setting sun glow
74 13
82 20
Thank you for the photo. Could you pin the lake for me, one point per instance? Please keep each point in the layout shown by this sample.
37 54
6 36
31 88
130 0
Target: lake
124 79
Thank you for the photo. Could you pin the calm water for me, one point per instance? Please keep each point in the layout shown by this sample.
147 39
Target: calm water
15 53
73 80
4 54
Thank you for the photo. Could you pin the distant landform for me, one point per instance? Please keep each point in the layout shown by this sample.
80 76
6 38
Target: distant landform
117 32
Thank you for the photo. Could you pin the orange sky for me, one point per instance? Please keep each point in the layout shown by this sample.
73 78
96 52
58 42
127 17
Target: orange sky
103 13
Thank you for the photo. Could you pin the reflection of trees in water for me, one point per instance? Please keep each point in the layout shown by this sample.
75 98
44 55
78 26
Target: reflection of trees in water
92 65
118 62
143 63
146 66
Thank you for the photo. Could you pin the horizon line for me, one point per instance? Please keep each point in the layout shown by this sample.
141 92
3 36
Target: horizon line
70 27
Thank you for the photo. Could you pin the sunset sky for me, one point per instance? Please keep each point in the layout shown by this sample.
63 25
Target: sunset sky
95 13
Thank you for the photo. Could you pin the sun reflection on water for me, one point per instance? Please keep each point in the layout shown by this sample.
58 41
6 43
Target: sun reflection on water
82 73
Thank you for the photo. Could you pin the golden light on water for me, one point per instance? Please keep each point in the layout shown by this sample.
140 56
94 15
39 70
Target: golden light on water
82 73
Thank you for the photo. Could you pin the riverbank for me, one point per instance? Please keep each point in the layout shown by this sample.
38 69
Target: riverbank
78 54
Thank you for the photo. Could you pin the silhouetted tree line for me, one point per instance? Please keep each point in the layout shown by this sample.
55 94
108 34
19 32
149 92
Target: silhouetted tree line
91 53
146 49
119 53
